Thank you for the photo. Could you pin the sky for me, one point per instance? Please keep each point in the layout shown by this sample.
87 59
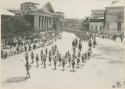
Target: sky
71 8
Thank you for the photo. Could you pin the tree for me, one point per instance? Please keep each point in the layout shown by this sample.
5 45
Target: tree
14 26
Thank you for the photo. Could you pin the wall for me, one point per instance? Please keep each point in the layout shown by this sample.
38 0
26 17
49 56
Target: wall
112 17
95 26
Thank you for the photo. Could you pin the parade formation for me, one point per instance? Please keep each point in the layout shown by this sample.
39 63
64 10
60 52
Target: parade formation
53 57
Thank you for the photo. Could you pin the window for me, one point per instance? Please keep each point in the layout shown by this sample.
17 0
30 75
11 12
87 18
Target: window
100 28
95 28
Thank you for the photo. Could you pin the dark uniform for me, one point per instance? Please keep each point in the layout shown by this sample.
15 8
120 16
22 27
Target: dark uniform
55 62
27 66
27 70
83 58
44 60
73 65
63 64
37 60
50 58
69 59
60 59
94 42
80 46
78 61
32 57
41 54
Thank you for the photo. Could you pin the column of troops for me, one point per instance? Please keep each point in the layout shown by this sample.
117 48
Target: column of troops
53 57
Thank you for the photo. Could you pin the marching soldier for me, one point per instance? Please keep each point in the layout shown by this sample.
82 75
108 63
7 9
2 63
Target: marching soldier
80 46
41 54
44 60
46 51
37 60
94 43
86 56
83 58
90 44
50 57
73 65
69 60
27 65
55 62
27 70
60 59
63 63
78 61
32 57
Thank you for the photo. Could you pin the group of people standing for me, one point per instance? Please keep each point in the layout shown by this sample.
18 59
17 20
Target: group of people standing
55 59
47 39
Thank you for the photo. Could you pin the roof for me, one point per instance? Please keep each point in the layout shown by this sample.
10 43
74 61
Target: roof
47 8
97 13
16 11
116 4
6 12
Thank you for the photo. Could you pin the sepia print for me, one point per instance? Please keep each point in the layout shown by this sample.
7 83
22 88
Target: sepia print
62 44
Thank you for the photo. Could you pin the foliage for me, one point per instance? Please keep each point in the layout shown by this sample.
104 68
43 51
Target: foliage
14 26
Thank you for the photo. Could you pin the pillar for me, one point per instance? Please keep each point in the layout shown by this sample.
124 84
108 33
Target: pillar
36 22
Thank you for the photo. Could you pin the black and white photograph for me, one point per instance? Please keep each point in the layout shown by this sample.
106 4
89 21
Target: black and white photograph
62 44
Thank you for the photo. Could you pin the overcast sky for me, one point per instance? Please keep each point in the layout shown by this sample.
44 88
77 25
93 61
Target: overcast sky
71 8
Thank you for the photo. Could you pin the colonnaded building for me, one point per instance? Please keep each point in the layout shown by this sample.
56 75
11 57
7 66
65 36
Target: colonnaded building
114 18
108 21
40 18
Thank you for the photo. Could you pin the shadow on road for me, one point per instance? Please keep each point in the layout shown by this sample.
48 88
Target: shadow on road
15 79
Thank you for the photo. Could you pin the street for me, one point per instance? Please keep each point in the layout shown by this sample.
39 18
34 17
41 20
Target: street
104 69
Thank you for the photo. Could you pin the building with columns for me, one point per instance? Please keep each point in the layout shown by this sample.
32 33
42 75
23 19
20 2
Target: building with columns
114 19
40 18
109 21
